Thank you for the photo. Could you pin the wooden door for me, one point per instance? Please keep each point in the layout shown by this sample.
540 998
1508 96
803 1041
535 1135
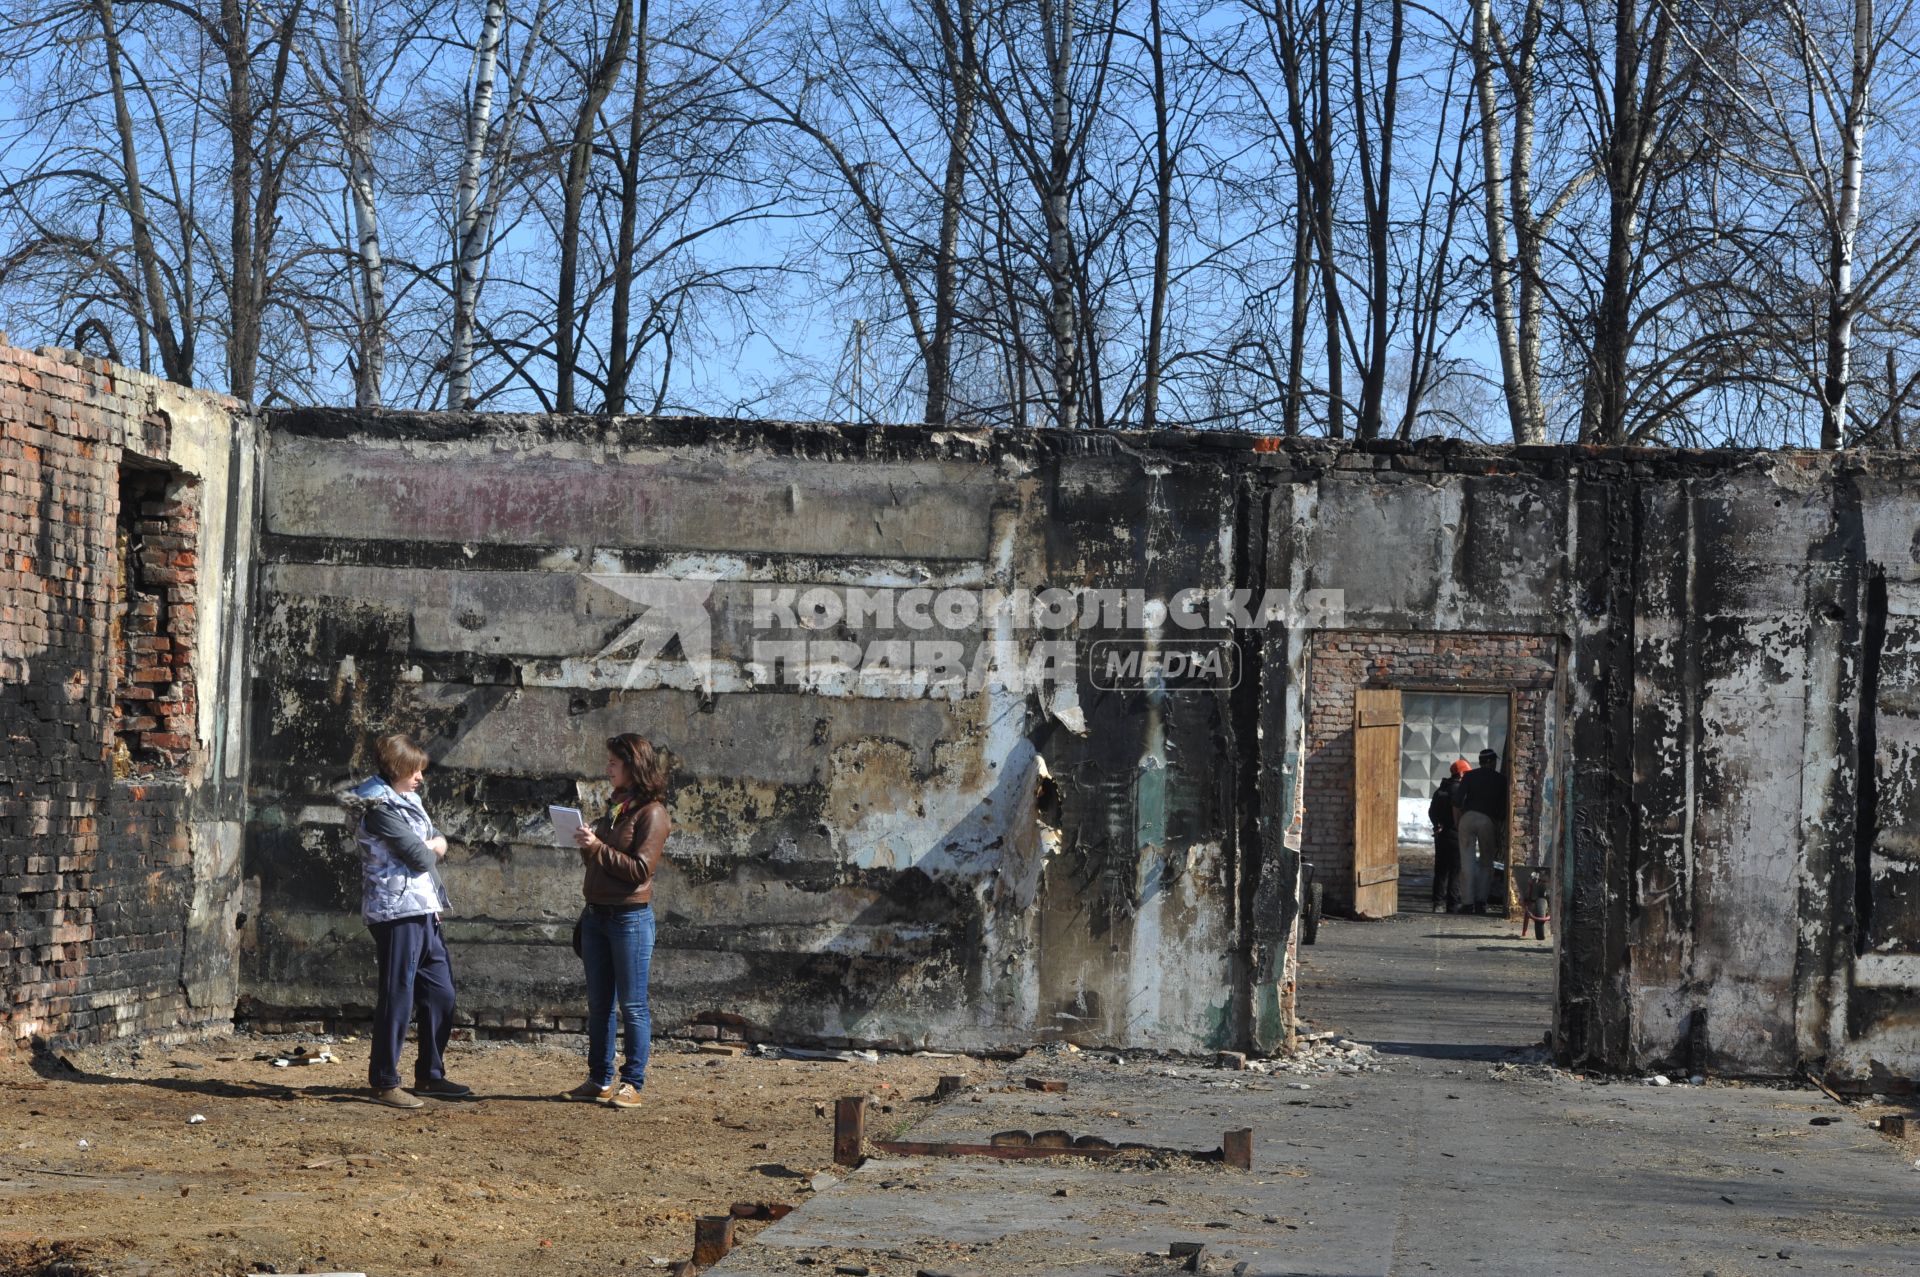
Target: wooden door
1376 802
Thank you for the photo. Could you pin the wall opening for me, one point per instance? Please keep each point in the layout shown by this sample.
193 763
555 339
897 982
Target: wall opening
1388 714
152 623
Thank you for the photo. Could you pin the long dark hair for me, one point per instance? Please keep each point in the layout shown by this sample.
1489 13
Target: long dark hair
646 769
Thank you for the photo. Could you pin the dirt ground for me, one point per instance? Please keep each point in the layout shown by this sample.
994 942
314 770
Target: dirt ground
102 1170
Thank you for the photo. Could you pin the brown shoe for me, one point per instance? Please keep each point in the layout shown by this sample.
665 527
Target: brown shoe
588 1091
624 1097
394 1097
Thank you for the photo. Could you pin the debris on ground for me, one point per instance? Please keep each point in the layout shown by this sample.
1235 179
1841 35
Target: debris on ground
1532 1065
767 1050
1323 1053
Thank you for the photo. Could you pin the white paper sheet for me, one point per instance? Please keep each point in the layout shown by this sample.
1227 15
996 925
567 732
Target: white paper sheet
565 821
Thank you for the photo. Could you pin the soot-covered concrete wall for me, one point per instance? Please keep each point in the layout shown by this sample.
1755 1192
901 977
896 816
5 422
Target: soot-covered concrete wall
979 867
1727 763
1729 757
125 521
1739 807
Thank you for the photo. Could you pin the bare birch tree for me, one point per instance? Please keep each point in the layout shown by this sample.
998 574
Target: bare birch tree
1812 80
356 123
485 159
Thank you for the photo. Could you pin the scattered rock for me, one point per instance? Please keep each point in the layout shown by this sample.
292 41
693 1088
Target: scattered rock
851 1270
195 1120
1659 1079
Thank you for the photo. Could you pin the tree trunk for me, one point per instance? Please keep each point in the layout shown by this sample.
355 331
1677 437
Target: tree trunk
579 157
176 357
960 59
619 356
1302 280
1058 18
1323 212
243 318
1845 233
1528 231
1163 221
1634 94
1506 327
359 148
468 244
1377 192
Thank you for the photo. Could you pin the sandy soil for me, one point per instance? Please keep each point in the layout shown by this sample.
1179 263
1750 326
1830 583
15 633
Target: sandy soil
102 1172
1882 1106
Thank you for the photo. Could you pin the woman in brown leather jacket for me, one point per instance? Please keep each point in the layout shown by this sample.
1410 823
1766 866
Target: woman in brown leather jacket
621 852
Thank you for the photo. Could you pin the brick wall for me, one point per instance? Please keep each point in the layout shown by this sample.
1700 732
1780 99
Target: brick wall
151 621
1341 661
111 816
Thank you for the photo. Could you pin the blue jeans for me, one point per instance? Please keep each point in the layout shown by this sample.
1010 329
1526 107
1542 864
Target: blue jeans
618 950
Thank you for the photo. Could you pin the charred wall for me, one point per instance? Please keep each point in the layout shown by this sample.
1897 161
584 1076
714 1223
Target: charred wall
1731 773
125 518
975 867
1721 646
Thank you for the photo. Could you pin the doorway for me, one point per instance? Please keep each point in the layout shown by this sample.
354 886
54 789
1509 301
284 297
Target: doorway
1387 715
1405 743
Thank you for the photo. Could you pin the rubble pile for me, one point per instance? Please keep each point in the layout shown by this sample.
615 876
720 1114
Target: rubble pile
1323 1053
1533 1065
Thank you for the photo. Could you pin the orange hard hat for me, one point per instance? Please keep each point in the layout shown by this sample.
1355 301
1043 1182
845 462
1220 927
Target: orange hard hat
1460 767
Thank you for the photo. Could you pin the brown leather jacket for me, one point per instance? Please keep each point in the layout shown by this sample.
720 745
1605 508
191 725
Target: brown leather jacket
620 868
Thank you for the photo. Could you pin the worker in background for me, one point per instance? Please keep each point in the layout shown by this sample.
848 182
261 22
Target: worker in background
1479 813
1446 839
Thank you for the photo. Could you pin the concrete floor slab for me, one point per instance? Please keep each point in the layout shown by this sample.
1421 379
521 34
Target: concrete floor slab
1465 1153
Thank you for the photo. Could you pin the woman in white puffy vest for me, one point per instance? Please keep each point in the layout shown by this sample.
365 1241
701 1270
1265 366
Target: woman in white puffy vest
401 899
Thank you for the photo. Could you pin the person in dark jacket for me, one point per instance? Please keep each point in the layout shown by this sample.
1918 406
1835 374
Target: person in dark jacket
1480 813
401 899
1446 840
621 855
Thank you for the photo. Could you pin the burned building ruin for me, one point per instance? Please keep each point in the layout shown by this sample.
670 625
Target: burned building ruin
1706 666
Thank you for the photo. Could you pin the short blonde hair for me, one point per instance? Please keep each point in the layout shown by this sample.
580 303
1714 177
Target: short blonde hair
399 756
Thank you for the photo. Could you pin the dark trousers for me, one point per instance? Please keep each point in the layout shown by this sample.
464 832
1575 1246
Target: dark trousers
1446 867
415 979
